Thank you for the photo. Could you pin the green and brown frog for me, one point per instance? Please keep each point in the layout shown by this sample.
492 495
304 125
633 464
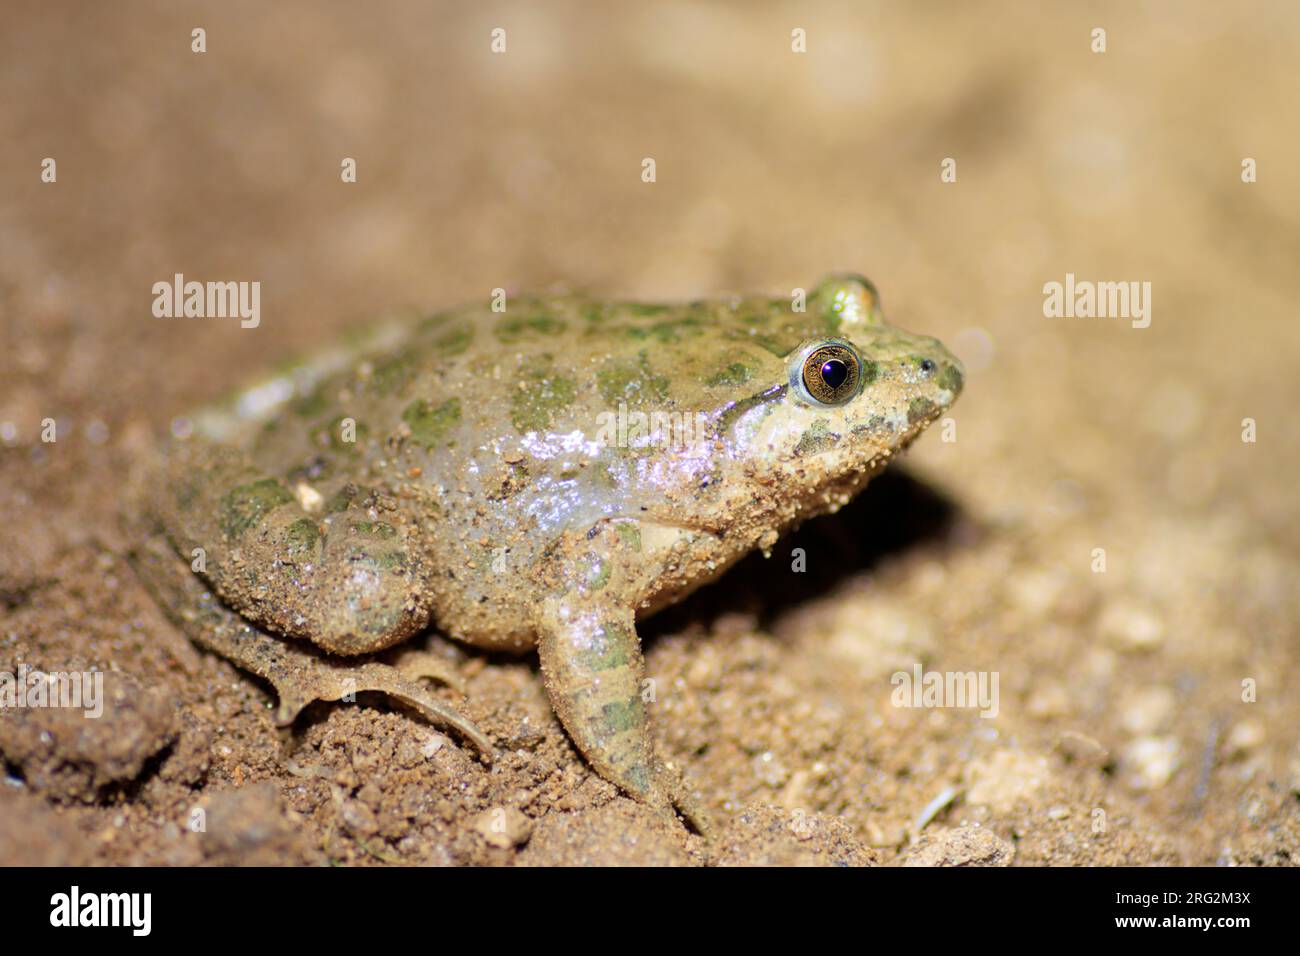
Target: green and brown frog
543 476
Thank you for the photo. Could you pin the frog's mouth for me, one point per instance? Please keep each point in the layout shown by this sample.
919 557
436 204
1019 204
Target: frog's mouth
851 481
847 478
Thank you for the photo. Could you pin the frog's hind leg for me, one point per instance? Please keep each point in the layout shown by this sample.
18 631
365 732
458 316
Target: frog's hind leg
595 677
299 673
342 566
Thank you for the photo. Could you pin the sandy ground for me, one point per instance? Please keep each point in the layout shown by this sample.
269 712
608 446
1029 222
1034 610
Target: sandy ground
1147 711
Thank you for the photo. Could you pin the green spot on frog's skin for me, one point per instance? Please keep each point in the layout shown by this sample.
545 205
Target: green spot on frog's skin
429 425
667 332
784 330
378 529
879 423
629 534
620 716
735 374
816 438
638 778
433 322
312 405
536 402
302 537
951 379
869 372
454 341
341 499
245 506
632 383
512 330
391 376
919 409
605 655
391 560
780 341
780 347
645 308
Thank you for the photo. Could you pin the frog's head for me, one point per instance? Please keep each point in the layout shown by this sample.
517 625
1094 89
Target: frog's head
855 391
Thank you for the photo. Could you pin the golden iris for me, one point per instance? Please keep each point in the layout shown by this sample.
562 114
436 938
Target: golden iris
831 373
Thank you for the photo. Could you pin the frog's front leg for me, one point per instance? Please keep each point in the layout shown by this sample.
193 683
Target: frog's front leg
595 674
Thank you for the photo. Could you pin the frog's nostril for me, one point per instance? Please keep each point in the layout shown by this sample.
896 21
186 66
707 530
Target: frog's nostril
927 366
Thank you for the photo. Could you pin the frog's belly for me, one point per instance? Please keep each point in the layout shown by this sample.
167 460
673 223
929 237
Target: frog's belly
493 607
487 602
679 561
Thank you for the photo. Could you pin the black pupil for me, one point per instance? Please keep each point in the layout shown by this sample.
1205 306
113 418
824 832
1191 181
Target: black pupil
834 373
927 365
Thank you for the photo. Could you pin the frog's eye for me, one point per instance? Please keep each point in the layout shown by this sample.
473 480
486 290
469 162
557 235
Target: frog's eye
828 373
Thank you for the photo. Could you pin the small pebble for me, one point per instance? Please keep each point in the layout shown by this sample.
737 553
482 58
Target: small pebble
1150 762
1244 737
358 818
964 846
1147 710
1081 749
503 827
1131 627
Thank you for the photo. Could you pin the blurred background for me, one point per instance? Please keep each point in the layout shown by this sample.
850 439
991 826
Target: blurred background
523 169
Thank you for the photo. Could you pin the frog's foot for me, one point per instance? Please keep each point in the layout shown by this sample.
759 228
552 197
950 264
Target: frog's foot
314 678
595 678
299 673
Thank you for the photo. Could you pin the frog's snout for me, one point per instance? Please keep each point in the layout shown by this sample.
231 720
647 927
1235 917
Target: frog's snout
951 376
946 372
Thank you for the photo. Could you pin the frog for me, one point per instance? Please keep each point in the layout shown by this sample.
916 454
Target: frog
528 473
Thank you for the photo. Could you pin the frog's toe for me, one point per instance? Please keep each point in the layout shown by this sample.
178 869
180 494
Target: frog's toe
688 804
415 663
339 683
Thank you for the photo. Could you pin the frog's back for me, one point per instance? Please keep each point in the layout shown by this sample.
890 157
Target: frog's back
467 400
